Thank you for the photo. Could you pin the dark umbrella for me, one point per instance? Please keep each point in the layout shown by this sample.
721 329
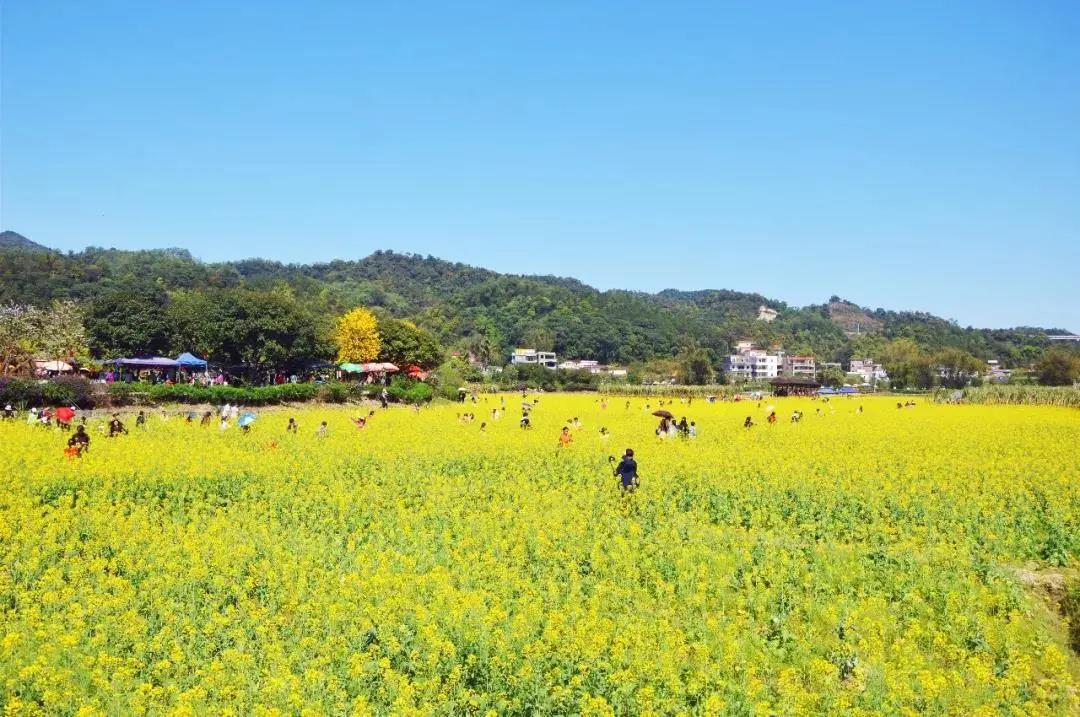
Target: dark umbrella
663 414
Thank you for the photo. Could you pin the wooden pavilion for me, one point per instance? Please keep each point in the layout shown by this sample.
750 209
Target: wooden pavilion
794 386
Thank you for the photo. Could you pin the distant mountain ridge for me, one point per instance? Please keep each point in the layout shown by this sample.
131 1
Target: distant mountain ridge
14 240
460 303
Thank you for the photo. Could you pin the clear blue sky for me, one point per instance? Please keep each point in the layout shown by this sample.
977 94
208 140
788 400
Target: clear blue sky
919 155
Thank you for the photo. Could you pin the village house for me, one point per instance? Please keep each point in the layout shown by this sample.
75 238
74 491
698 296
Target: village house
750 364
532 357
867 370
799 367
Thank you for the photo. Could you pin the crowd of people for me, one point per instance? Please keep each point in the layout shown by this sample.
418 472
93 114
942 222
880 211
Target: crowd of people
626 468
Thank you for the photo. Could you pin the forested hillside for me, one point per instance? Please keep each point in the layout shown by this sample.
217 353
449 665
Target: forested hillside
136 299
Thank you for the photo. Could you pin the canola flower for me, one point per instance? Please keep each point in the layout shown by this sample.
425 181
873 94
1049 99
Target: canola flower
850 563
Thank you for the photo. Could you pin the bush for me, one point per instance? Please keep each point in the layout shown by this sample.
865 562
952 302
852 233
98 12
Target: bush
1023 394
123 393
681 391
1070 608
336 392
20 392
60 391
405 390
448 378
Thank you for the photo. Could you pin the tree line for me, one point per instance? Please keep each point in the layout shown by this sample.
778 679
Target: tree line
263 313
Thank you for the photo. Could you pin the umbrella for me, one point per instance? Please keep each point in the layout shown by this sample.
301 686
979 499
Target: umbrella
352 368
463 390
64 414
663 414
61 366
246 420
526 405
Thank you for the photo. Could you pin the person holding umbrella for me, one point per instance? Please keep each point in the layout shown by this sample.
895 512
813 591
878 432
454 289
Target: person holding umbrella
665 422
64 416
245 421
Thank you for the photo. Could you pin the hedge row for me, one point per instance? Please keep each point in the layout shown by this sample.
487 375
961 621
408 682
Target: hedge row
1015 395
80 392
624 389
62 391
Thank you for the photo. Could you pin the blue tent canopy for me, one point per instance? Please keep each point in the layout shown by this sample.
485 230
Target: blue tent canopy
848 390
187 359
826 391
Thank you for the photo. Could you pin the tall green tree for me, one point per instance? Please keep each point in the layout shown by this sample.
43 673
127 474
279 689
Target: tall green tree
63 335
1058 367
255 329
20 338
957 368
129 321
695 366
404 343
539 338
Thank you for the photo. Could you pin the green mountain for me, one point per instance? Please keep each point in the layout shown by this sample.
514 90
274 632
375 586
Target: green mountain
466 306
14 240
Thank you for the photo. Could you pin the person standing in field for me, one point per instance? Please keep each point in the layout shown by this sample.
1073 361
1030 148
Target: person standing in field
116 427
80 442
565 439
293 426
626 471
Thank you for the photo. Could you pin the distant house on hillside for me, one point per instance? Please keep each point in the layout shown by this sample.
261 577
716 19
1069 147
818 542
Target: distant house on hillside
764 313
533 357
750 364
869 371
799 366
995 372
594 367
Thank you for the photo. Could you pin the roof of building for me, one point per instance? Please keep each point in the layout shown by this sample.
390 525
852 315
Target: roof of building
795 381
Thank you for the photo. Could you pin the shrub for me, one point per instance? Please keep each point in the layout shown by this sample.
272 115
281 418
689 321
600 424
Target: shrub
120 393
405 390
335 392
20 392
60 391
68 391
1023 394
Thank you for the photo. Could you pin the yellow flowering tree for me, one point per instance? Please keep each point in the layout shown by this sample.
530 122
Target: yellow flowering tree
357 336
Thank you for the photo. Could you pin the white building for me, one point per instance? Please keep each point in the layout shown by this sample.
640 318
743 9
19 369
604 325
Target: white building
799 366
582 365
750 364
594 367
869 371
995 372
535 358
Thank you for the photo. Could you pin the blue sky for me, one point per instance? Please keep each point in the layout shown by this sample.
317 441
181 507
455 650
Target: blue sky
904 155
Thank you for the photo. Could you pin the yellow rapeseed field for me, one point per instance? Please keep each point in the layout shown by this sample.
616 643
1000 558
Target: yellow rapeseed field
850 564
